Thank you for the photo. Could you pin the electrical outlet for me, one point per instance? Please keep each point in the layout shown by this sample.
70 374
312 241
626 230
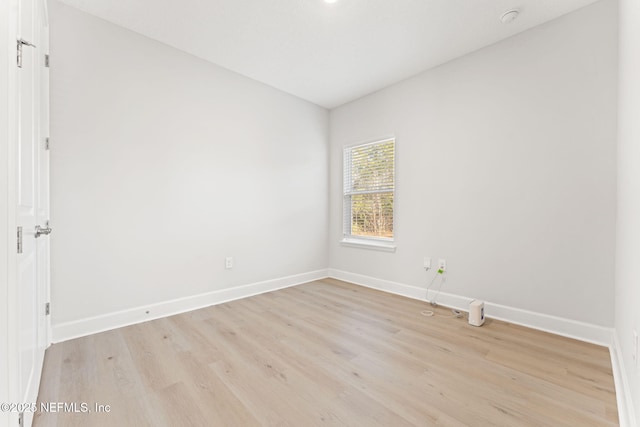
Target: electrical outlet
228 262
427 263
442 264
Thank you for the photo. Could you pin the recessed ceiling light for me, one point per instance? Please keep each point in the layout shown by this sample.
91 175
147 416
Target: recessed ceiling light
330 1
509 16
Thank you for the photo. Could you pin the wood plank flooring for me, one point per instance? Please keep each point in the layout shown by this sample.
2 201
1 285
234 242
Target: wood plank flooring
328 353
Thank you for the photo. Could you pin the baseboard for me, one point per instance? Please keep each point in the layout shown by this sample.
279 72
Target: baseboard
557 325
92 325
623 392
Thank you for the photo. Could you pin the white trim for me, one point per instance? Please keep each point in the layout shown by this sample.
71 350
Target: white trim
8 360
626 410
377 245
350 239
79 328
570 328
9 340
557 325
368 142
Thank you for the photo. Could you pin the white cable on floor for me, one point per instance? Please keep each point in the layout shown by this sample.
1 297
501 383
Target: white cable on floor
431 313
454 313
440 274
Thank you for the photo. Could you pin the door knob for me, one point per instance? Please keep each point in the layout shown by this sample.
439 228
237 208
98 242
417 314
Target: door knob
42 231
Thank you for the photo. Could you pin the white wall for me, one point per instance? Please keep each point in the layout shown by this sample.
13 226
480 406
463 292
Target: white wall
163 164
506 167
627 290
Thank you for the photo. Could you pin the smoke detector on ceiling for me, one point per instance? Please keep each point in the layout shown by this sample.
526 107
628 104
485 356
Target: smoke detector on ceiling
509 16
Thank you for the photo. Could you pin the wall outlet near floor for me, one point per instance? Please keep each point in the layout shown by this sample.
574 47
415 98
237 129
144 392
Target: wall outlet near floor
442 264
427 263
228 262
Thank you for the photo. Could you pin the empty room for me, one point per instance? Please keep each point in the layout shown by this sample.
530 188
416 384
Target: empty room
320 212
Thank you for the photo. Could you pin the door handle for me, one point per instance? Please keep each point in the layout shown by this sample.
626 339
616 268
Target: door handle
42 231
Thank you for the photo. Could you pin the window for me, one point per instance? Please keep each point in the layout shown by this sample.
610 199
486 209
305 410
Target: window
369 182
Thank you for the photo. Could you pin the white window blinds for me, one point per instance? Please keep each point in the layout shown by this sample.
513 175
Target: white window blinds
369 184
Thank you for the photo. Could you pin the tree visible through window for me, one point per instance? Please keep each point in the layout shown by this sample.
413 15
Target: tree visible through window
369 182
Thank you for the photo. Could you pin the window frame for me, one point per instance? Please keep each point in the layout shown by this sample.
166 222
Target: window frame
367 242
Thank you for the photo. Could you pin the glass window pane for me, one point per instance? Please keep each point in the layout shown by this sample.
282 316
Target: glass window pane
372 215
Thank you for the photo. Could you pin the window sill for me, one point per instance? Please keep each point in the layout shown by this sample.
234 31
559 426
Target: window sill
375 245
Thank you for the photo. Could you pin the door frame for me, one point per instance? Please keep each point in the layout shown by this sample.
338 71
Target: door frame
8 253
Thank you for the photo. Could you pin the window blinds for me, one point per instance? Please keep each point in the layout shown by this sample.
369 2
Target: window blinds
369 184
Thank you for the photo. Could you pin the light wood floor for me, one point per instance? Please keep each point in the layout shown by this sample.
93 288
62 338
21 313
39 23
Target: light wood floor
328 353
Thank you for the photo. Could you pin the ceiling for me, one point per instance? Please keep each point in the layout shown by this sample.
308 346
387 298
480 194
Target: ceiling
328 54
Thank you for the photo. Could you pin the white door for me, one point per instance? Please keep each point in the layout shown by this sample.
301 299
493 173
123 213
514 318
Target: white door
32 200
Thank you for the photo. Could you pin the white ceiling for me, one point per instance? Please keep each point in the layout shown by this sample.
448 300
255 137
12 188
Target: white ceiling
328 54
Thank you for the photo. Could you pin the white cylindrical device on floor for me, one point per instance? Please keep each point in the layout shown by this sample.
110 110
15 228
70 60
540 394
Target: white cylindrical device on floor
476 313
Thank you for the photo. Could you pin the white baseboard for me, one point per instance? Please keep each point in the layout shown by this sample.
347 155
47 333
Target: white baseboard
92 325
557 325
623 392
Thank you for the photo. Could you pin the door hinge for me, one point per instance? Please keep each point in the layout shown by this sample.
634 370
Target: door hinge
19 240
47 145
21 419
47 308
22 43
46 60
